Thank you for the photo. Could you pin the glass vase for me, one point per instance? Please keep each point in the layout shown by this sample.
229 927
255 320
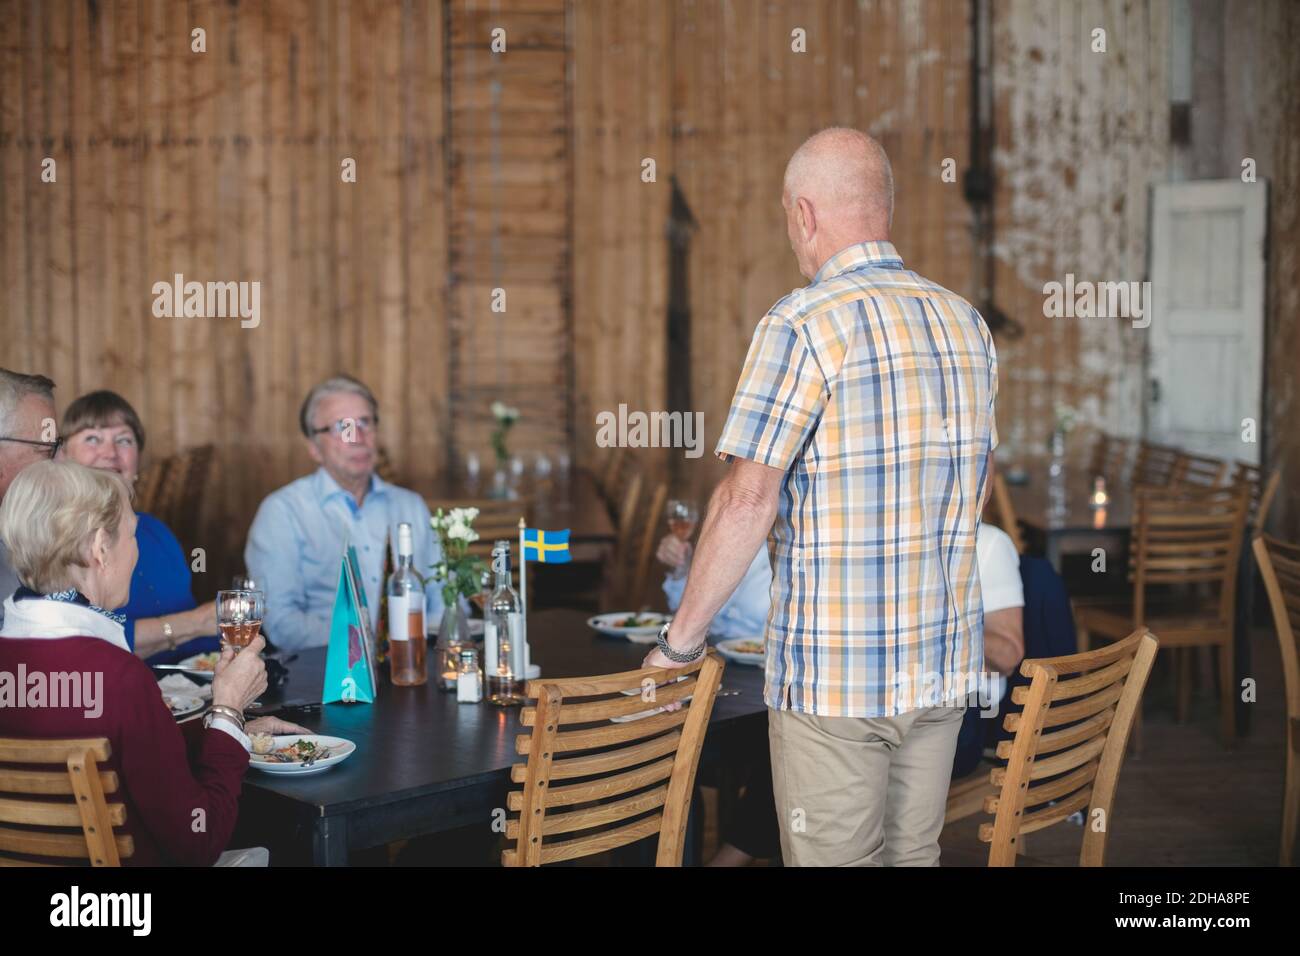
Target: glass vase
453 636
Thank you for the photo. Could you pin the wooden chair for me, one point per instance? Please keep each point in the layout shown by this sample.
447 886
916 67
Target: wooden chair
1154 464
179 500
618 574
647 535
1004 512
1190 540
1093 699
1261 491
630 780
1110 456
1279 566
1200 471
47 822
149 484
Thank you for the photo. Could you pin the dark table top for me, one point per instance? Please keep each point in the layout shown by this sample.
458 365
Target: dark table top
574 503
415 741
1033 502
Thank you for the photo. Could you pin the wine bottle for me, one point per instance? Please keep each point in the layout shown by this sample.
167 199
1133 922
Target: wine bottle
406 631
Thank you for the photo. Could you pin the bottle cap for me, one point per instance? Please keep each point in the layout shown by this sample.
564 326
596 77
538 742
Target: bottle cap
404 546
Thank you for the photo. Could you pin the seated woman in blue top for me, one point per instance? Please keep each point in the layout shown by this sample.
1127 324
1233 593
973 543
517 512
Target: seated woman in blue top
163 624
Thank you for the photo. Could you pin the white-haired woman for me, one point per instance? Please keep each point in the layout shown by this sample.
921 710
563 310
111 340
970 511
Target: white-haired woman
70 532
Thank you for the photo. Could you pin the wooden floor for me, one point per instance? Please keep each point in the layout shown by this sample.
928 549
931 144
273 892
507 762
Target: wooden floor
1187 801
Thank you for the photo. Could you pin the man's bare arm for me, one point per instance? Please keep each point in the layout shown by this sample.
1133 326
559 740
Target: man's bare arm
739 518
1004 639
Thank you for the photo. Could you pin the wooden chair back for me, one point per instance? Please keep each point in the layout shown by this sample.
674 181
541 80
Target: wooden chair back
1091 700
1187 537
1262 491
648 535
1003 512
1154 464
1110 458
1199 471
179 499
46 823
149 485
1279 566
622 781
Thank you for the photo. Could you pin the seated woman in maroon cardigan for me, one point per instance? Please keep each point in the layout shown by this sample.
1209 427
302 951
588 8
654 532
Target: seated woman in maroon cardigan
70 532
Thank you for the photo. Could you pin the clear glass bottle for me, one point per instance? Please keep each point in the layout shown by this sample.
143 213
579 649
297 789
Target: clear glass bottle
469 679
503 647
406 631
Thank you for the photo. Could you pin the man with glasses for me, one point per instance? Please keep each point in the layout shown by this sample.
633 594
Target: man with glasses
27 435
301 531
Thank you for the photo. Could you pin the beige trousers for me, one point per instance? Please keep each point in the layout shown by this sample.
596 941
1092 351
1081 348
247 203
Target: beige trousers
862 791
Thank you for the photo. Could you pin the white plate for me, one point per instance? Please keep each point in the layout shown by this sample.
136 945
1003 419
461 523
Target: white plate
605 623
183 705
475 627
191 668
728 650
342 750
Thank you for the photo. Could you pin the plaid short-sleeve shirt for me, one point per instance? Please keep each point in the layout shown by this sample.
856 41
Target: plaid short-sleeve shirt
873 389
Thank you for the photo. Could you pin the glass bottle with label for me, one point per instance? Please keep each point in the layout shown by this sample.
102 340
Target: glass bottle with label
406 632
503 646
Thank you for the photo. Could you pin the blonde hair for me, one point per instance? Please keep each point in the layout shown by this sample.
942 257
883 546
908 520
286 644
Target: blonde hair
49 517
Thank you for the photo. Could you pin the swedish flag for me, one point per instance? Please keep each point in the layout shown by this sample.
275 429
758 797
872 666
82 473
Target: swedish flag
546 547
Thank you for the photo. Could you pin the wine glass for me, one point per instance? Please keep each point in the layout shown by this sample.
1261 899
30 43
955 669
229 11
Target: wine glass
472 466
239 616
682 516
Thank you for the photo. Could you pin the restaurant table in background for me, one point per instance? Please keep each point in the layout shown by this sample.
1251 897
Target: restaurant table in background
427 764
1062 519
574 503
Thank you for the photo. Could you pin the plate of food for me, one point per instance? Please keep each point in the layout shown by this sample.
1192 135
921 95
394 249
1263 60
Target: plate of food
743 650
199 667
182 705
639 627
298 754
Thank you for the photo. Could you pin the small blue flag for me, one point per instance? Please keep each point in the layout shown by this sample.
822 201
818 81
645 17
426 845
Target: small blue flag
546 547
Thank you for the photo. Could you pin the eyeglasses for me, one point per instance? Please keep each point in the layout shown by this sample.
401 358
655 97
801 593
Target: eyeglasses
364 424
50 446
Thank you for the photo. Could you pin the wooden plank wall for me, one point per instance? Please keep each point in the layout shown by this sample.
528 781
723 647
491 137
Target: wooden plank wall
225 165
737 101
1080 136
509 190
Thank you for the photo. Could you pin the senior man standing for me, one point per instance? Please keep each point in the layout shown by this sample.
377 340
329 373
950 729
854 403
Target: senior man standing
862 425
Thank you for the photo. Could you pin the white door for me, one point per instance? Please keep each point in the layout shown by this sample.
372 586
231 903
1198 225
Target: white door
1205 346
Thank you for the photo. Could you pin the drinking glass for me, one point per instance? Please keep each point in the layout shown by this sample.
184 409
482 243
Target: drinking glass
682 515
239 616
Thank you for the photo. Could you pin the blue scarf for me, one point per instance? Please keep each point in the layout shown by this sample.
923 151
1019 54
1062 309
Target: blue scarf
70 596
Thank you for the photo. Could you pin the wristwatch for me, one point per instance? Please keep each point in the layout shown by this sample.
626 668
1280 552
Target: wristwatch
677 657
167 633
221 710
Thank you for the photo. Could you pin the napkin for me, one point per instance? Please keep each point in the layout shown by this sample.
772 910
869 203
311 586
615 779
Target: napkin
178 685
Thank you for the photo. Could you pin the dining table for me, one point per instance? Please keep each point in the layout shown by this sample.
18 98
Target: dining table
1060 515
426 764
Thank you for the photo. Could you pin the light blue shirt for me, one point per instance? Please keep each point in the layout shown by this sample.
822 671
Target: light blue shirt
296 546
745 613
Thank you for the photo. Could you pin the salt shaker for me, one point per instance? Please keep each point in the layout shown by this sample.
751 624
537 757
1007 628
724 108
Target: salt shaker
469 681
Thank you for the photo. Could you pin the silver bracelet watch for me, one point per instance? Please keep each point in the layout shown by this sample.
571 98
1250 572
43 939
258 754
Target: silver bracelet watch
677 657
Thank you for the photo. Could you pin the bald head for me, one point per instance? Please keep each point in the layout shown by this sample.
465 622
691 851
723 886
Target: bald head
838 190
